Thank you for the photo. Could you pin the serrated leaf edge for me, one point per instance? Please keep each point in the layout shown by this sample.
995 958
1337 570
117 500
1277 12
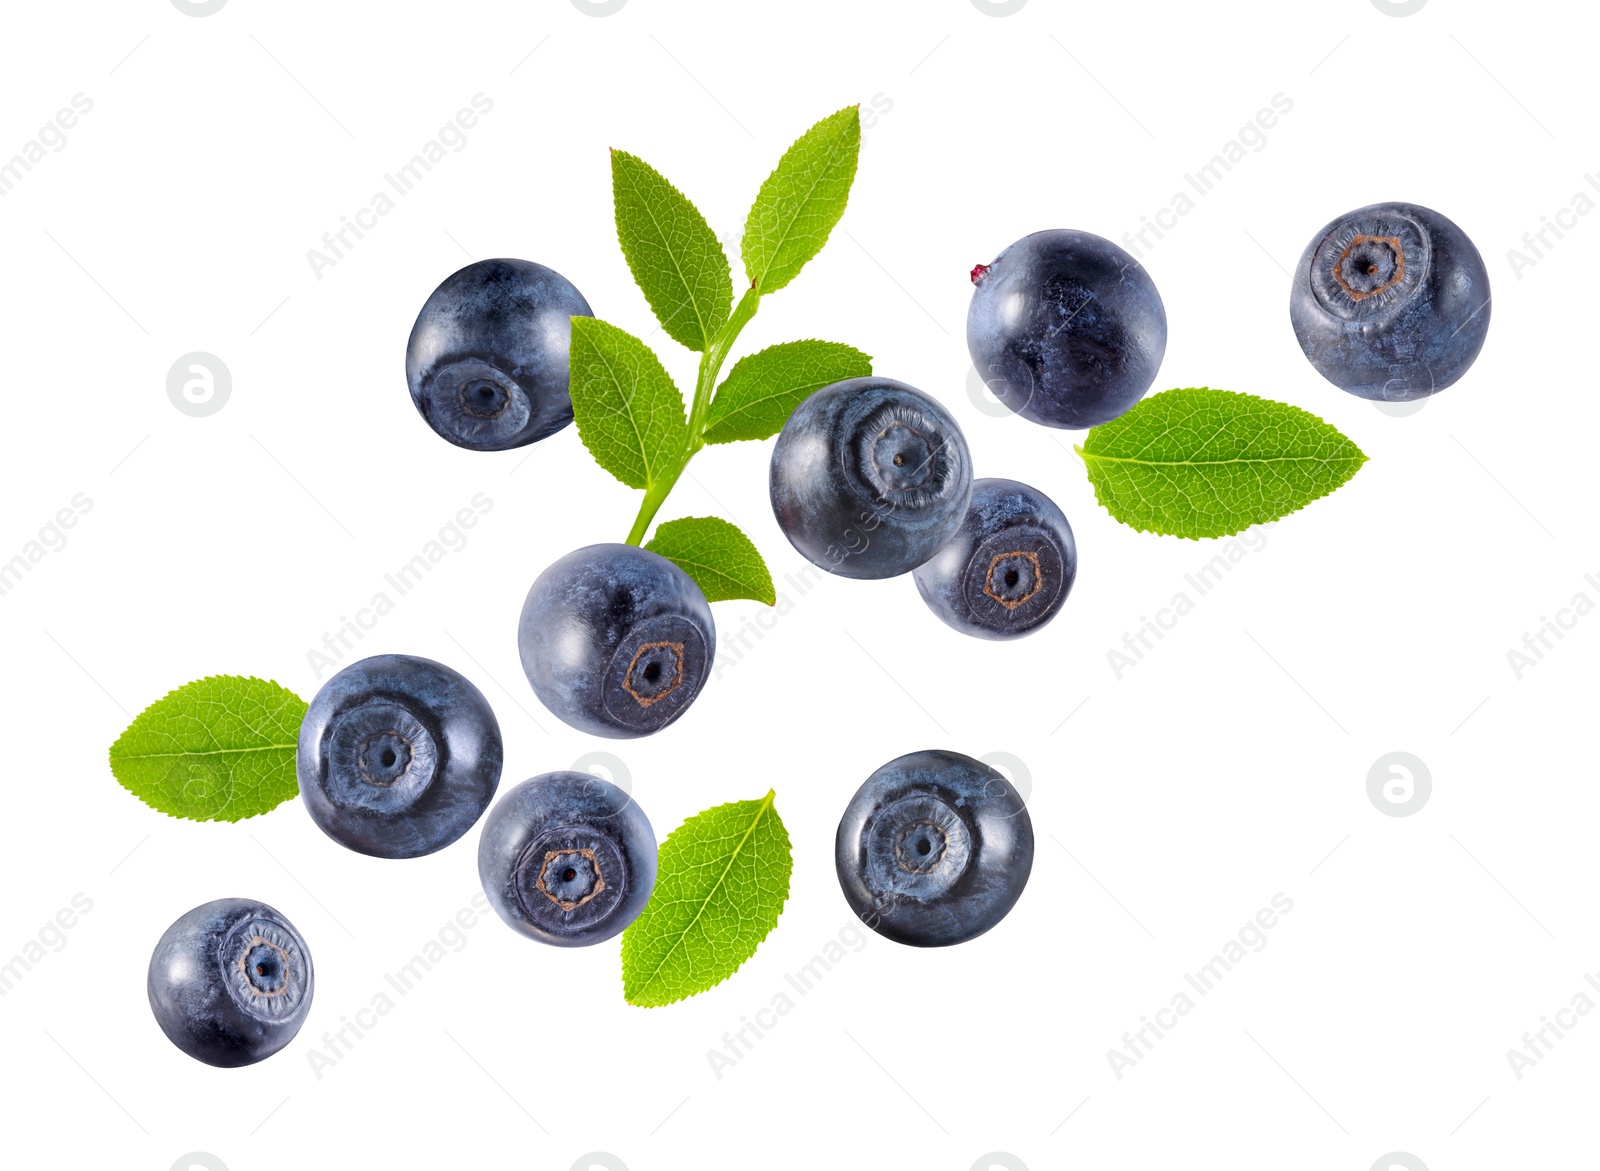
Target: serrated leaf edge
707 333
766 806
111 753
679 561
712 420
652 472
1086 456
756 282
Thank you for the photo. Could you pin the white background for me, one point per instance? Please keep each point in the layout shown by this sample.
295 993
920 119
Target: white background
1170 804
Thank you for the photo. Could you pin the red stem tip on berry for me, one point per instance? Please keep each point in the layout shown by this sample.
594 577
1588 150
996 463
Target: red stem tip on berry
977 272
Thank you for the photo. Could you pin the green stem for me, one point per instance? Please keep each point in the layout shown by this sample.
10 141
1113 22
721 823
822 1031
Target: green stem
711 365
654 497
705 383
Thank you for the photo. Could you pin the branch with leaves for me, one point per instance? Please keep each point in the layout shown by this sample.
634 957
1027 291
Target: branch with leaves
224 748
631 415
1191 462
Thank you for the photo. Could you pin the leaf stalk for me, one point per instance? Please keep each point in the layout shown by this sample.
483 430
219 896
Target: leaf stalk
705 384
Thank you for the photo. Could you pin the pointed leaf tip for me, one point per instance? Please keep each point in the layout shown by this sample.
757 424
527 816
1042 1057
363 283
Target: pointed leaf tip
1197 462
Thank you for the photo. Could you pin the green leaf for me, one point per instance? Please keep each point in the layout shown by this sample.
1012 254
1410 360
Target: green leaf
218 749
723 562
672 252
722 881
801 200
763 389
629 412
1198 462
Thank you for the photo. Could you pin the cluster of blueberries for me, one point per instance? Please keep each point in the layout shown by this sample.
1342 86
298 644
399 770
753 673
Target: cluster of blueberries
871 478
400 756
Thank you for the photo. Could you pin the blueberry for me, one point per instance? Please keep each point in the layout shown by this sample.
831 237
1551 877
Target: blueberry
487 360
399 756
870 477
230 982
616 640
934 849
568 859
1009 567
1066 328
1390 302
